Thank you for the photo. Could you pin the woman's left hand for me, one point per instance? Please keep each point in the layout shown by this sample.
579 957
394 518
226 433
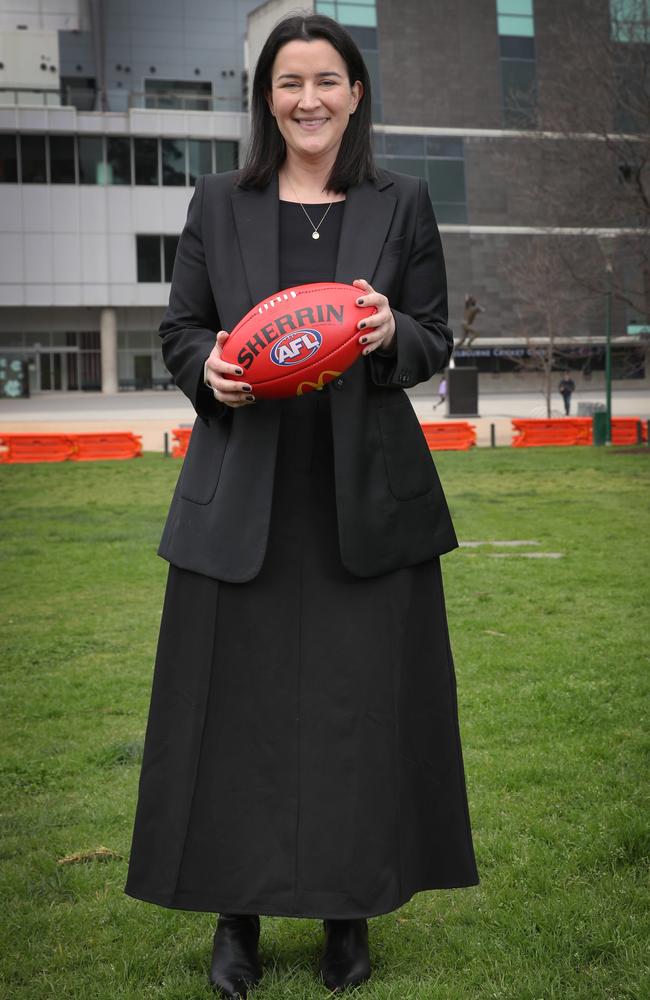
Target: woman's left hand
378 329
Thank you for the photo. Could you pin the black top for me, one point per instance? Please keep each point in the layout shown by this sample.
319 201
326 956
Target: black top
303 259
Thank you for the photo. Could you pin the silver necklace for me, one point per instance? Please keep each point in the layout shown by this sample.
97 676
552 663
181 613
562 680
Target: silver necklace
315 234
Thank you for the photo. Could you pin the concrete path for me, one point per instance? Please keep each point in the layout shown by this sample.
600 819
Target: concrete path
151 414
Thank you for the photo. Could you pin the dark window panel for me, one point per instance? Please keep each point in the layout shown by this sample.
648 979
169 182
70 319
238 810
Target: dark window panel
227 155
8 159
200 158
148 254
519 93
62 159
190 95
446 180
441 145
170 244
404 145
32 155
371 60
91 159
405 165
516 47
450 214
145 154
118 160
79 92
366 38
173 162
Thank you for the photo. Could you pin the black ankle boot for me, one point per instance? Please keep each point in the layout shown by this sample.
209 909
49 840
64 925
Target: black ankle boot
235 966
345 960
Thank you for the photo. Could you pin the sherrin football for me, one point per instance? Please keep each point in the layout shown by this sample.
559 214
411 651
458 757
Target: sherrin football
298 340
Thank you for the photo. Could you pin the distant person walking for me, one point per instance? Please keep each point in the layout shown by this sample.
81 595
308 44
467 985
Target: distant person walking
442 390
566 387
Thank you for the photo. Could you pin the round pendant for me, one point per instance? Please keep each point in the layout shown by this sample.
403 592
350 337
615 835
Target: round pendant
315 235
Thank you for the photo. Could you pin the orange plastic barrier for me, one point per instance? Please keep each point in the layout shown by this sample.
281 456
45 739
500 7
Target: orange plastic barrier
557 431
181 439
625 430
572 430
68 447
115 445
455 435
35 448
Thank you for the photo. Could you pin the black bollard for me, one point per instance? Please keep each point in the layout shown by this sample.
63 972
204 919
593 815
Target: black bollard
166 440
493 436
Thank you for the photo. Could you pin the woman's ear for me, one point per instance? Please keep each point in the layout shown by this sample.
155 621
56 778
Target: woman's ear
357 94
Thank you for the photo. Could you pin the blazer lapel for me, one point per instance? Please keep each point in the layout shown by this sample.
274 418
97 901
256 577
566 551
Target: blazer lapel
256 215
368 214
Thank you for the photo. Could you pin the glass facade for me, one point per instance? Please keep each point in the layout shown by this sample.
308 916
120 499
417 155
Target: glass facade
155 257
32 159
516 27
90 159
437 159
630 20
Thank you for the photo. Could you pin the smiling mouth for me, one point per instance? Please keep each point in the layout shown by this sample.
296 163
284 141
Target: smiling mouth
311 123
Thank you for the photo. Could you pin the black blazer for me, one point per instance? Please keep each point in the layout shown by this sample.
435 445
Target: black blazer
391 509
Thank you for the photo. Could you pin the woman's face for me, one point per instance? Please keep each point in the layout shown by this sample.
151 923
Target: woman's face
312 99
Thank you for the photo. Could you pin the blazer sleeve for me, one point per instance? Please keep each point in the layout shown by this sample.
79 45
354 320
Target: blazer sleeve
190 324
423 342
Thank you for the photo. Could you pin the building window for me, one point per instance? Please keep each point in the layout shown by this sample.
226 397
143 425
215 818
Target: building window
90 151
149 258
200 158
170 243
95 159
362 13
145 159
516 27
437 159
32 157
630 20
118 160
188 95
62 159
8 159
227 155
78 92
173 162
155 257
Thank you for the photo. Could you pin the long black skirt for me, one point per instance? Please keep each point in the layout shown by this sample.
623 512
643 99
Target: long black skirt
302 755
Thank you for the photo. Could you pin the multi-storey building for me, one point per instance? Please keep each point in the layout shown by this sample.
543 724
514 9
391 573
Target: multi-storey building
109 109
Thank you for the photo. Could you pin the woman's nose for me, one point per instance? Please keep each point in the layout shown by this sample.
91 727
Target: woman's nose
309 97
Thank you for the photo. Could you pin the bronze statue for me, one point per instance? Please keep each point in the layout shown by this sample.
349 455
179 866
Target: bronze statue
472 309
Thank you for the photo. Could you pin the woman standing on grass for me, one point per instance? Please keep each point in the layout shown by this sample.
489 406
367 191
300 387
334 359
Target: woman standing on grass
302 755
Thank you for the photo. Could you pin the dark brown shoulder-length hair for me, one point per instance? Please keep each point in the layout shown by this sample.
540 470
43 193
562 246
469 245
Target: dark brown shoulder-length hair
267 150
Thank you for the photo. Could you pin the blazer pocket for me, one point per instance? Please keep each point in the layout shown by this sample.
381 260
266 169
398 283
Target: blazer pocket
204 459
409 466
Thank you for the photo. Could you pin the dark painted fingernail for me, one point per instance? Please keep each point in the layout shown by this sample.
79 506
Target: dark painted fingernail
361 325
239 371
364 340
251 399
359 302
246 388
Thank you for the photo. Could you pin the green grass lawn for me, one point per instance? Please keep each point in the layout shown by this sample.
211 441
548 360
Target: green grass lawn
552 665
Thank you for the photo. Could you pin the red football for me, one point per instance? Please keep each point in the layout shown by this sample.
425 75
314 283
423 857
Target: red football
298 340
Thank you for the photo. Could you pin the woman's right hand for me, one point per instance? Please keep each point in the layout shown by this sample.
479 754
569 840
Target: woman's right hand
226 390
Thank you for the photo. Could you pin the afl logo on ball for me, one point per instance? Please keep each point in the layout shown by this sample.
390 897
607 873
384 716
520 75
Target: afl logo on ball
296 347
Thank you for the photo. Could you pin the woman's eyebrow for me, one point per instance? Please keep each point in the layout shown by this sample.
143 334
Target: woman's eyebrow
297 76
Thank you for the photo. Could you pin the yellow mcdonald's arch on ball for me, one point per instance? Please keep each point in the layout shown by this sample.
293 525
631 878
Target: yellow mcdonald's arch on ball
315 385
